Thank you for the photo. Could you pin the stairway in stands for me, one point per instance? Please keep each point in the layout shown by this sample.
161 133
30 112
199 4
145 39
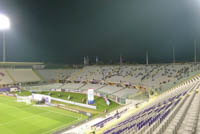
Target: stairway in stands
76 74
10 76
37 74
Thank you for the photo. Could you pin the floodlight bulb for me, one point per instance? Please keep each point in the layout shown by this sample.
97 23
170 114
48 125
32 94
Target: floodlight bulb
4 22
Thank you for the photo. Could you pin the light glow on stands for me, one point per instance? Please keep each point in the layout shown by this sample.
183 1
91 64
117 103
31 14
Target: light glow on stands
4 22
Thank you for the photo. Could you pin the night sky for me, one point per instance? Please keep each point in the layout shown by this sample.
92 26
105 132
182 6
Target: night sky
63 31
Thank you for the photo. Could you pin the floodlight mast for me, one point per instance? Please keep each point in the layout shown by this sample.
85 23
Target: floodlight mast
4 25
4 46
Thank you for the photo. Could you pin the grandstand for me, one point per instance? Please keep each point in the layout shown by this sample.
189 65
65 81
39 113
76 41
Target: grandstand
23 75
116 82
134 87
111 80
55 74
16 76
5 79
176 111
100 67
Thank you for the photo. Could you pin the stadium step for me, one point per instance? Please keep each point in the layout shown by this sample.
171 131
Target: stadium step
101 87
76 75
37 74
81 86
10 76
118 90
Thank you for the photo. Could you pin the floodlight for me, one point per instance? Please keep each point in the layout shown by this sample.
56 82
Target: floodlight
4 25
4 22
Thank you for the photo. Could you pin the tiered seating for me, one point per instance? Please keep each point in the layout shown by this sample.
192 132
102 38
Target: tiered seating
103 72
23 75
148 76
44 87
151 75
87 73
72 85
123 93
56 74
110 118
93 86
156 77
186 119
174 112
4 77
110 89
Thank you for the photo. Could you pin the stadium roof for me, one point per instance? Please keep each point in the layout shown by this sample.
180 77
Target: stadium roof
20 63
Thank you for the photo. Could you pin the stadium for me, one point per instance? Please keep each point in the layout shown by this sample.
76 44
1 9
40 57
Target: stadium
124 98
99 67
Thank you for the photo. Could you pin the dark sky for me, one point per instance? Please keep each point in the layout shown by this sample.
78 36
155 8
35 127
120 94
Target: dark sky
63 31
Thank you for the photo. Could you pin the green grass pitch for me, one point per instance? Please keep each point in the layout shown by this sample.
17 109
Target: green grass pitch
19 118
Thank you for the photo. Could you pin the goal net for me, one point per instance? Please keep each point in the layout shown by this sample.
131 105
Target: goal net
25 99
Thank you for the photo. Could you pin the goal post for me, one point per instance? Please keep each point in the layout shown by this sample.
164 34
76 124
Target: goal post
25 99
